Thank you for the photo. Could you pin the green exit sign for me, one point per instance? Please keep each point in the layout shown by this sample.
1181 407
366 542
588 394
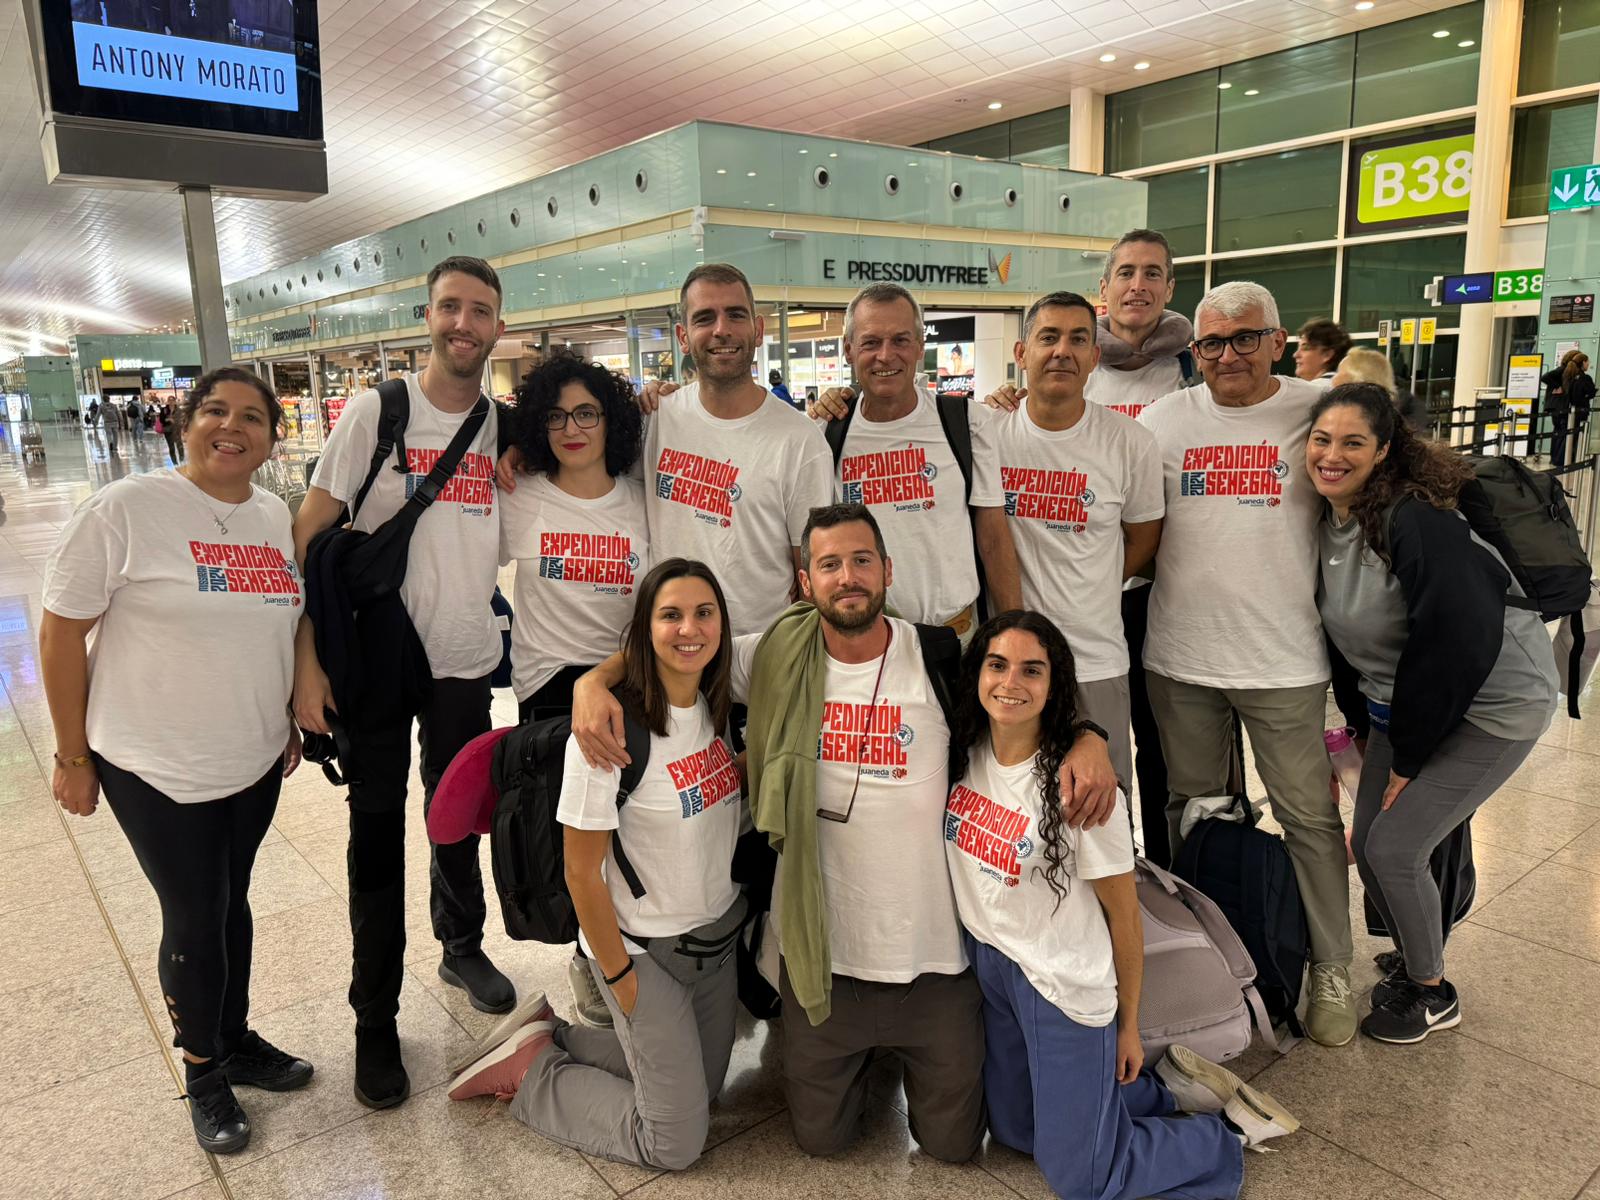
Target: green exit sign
1574 187
1518 285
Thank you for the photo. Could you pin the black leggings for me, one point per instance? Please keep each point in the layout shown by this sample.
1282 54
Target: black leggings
198 857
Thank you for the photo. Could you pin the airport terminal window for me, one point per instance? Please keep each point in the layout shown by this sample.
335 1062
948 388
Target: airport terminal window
1292 94
1041 138
1384 280
1279 199
1301 283
1177 207
1560 45
992 141
1189 284
1162 122
1543 137
1403 70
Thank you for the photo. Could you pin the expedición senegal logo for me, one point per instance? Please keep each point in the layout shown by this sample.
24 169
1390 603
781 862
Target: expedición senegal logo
1254 474
705 778
1055 497
991 834
704 484
605 560
889 477
246 570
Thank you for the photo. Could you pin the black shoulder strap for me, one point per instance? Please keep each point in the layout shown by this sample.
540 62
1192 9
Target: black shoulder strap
835 431
941 658
1186 366
958 434
394 414
636 739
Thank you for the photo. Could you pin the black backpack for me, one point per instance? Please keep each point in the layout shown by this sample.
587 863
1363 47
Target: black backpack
1248 873
526 844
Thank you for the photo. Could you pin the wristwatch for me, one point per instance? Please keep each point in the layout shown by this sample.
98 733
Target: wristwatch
1087 726
77 760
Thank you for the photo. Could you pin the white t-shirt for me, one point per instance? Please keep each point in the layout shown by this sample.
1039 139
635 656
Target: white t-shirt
735 495
891 913
192 664
997 866
1235 598
578 562
454 553
906 473
678 827
1067 494
1130 392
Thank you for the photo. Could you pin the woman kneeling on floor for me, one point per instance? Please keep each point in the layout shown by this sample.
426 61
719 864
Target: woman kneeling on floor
640 1093
185 578
1460 682
1055 935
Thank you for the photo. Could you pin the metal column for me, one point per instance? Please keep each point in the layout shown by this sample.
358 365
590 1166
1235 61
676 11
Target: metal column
205 278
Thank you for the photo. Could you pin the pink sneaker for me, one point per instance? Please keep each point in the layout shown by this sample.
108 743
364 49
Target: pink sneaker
500 1072
533 1008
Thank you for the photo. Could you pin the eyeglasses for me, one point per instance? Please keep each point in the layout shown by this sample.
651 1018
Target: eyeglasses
585 416
1246 341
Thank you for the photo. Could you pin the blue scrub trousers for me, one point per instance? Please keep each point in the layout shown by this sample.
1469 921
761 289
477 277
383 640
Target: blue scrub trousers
1052 1092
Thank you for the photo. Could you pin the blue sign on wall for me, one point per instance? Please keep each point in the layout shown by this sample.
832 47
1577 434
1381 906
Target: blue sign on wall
1467 289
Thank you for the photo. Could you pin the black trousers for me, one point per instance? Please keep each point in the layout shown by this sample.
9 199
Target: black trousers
1149 767
1558 437
457 712
554 699
198 858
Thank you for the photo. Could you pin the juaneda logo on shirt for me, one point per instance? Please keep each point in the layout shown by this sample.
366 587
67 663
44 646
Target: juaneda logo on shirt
472 486
1253 474
246 570
992 835
903 478
875 738
709 487
1061 499
606 561
704 779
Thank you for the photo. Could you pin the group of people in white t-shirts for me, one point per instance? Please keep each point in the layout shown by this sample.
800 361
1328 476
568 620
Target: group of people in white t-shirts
798 620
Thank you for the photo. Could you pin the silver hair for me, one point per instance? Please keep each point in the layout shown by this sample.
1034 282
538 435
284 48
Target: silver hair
1237 298
882 293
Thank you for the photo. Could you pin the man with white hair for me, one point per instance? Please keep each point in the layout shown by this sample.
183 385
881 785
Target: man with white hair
1233 615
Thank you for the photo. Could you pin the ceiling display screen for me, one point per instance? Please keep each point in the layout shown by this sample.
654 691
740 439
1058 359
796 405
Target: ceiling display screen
229 66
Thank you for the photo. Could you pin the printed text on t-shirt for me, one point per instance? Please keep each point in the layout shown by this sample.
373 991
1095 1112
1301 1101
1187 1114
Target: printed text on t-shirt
246 570
709 487
903 478
472 486
704 778
991 834
871 736
605 560
1061 499
1254 474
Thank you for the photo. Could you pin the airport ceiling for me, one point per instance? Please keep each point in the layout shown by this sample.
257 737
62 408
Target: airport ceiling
431 102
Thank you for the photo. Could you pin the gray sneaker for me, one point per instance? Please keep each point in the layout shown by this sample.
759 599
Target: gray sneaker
587 1001
1331 1016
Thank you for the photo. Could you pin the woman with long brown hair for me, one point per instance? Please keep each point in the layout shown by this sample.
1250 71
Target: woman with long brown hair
658 911
1459 680
1568 393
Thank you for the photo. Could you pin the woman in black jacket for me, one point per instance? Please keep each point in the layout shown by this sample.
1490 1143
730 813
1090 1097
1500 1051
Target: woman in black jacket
1568 391
1459 680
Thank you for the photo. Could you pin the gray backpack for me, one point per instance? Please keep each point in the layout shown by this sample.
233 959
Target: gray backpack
1199 981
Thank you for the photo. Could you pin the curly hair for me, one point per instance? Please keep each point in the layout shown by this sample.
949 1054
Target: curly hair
1057 725
1431 471
540 391
207 383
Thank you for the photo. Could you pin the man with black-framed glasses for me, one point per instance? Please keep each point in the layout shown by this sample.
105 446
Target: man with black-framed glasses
1233 614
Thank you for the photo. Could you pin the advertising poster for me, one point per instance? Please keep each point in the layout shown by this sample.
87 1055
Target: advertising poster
956 369
1522 376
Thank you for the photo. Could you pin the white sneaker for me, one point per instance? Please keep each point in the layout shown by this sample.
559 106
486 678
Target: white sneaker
1258 1116
1197 1084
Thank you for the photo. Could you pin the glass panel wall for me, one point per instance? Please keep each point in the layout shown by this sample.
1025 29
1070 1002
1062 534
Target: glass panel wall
1040 138
1302 284
1560 45
1163 122
1295 93
1278 199
1407 69
1177 207
1542 138
1189 284
992 141
1384 280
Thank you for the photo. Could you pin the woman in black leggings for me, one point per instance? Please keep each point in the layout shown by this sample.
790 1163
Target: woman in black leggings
196 549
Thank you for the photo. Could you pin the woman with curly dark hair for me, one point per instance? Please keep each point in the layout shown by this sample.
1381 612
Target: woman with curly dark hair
576 530
1459 678
1054 933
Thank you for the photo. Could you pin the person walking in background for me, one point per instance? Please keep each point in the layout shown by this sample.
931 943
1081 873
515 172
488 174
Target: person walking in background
111 420
167 426
775 385
1323 345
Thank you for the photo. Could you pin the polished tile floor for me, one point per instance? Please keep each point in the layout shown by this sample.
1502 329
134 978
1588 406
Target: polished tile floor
1508 1105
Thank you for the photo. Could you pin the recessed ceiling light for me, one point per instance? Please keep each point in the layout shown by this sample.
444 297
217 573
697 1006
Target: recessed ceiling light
1364 5
1222 87
722 170
833 154
805 152
750 174
1467 45
1441 33
1141 66
1108 58
994 104
1253 92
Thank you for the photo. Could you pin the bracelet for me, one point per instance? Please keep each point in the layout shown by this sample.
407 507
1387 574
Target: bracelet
77 760
613 980
1088 726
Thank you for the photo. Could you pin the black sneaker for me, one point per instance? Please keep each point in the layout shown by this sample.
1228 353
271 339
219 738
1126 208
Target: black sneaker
258 1063
487 989
381 1079
1413 1011
220 1125
1390 961
1393 976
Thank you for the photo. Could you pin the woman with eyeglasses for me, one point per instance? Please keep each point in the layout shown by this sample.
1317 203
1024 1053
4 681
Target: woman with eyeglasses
576 529
1053 930
641 1094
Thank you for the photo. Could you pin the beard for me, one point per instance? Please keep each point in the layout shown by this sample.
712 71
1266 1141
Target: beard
852 621
726 367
